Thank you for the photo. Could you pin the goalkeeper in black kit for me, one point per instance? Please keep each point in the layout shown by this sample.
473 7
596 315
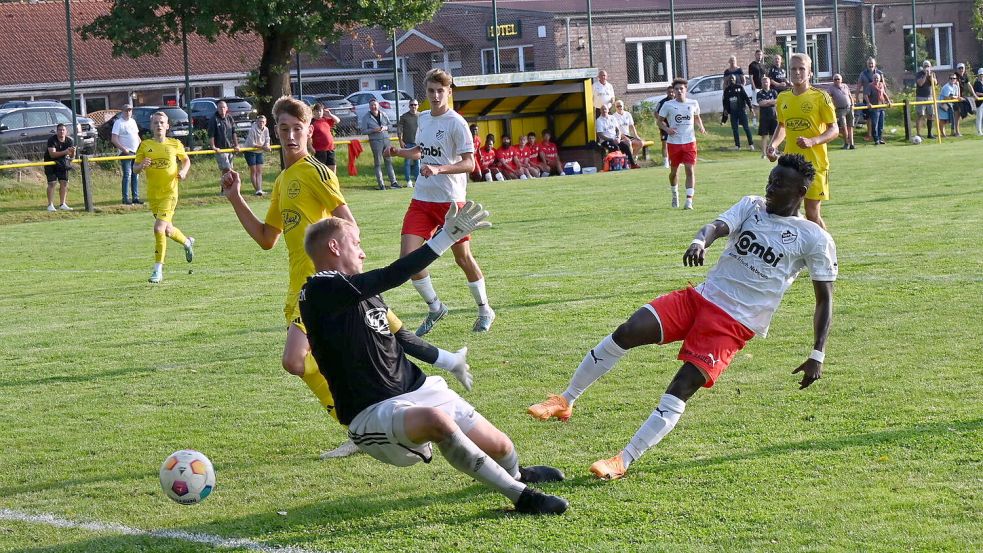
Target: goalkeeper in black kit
394 411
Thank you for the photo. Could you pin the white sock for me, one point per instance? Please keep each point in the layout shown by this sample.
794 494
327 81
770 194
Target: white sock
690 192
675 189
488 176
659 423
510 463
499 177
466 457
523 177
158 266
596 364
424 287
480 296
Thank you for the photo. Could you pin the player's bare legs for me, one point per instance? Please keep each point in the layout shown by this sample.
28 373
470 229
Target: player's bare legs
813 212
690 185
476 284
674 184
424 286
295 350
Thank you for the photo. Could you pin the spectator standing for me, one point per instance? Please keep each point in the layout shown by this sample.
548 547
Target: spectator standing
126 138
768 123
968 104
376 124
258 137
734 100
924 84
59 149
978 89
222 135
877 96
779 80
733 70
663 137
322 135
609 135
756 71
843 103
603 93
863 84
950 111
406 128
626 125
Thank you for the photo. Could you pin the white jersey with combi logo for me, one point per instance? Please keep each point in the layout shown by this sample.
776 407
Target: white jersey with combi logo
764 255
442 139
680 116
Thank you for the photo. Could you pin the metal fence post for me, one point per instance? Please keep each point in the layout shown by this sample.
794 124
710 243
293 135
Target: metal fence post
87 184
907 120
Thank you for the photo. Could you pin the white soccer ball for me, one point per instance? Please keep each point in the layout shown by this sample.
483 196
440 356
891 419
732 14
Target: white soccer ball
571 168
187 476
916 139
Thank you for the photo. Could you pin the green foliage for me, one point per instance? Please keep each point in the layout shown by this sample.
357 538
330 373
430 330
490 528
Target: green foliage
921 51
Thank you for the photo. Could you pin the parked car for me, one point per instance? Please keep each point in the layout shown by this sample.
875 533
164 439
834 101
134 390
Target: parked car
339 106
24 132
386 99
242 112
176 117
30 103
87 134
707 90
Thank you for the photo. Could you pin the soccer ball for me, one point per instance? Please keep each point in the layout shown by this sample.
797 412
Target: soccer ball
916 139
187 476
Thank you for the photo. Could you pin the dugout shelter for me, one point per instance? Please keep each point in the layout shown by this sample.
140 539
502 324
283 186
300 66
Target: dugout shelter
519 103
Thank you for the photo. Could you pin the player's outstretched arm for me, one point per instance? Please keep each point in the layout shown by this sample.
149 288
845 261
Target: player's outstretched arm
458 223
772 149
455 363
408 153
694 254
263 234
812 368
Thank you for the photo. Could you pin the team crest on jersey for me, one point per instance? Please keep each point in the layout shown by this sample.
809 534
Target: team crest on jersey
293 189
440 134
806 107
788 237
376 320
290 219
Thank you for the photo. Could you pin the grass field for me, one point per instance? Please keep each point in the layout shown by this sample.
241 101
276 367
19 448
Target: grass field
102 375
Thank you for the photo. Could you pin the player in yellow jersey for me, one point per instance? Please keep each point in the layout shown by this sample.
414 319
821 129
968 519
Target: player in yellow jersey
159 157
305 192
806 121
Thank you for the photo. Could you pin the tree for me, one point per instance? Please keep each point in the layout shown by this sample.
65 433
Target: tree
142 27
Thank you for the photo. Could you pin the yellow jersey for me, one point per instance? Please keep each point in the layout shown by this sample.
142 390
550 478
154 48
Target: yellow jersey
807 115
162 179
303 193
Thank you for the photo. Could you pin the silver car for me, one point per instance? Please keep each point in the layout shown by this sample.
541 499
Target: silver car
707 90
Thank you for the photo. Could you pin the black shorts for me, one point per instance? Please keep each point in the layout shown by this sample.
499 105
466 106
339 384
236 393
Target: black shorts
56 173
767 126
326 157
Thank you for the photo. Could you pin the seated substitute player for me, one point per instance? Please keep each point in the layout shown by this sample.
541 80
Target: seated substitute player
486 156
305 192
478 173
159 157
445 149
392 409
549 155
533 157
770 243
524 156
507 159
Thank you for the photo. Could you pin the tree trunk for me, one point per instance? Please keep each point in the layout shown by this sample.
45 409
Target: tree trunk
275 64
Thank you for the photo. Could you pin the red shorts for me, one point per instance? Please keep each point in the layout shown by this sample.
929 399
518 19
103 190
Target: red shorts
424 219
710 336
682 154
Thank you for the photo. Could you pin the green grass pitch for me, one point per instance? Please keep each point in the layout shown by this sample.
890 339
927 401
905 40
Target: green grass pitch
102 374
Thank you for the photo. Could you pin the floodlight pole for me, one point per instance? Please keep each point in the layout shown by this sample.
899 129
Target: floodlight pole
672 40
761 26
396 77
187 82
496 66
914 39
590 35
836 32
300 82
86 192
800 26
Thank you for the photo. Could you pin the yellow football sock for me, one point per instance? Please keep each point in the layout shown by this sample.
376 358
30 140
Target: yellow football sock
160 246
178 236
316 382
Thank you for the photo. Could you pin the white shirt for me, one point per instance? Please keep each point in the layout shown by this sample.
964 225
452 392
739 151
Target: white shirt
603 94
764 255
624 121
442 139
128 133
607 127
680 116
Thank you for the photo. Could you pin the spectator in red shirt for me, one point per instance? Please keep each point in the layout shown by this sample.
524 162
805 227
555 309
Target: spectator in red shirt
535 160
321 128
486 156
506 158
549 155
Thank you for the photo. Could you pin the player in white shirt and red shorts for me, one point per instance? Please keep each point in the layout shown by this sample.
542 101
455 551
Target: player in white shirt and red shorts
678 118
445 148
769 244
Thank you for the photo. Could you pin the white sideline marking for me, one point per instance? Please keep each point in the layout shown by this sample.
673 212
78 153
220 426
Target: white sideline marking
208 539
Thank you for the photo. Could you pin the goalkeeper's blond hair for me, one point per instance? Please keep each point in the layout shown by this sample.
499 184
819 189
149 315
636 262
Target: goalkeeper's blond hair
318 234
292 106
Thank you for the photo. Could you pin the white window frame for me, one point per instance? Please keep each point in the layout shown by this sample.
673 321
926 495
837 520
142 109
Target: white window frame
828 31
670 51
445 62
522 57
373 63
935 55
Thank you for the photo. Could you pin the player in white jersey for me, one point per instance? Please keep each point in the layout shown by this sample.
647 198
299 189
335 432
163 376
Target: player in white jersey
446 149
770 243
678 118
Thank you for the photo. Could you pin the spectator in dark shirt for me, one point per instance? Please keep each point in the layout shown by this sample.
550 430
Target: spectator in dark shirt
735 98
222 135
924 84
733 70
863 90
779 81
767 99
978 89
877 96
756 71
406 127
59 149
968 104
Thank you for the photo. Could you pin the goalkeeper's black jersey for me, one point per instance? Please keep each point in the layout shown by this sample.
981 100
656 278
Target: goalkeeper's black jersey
350 336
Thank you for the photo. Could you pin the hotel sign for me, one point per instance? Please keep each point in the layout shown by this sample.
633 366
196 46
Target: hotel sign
505 30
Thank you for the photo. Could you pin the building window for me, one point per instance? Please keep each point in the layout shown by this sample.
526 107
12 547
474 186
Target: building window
453 60
818 46
512 59
938 43
382 63
651 62
96 103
